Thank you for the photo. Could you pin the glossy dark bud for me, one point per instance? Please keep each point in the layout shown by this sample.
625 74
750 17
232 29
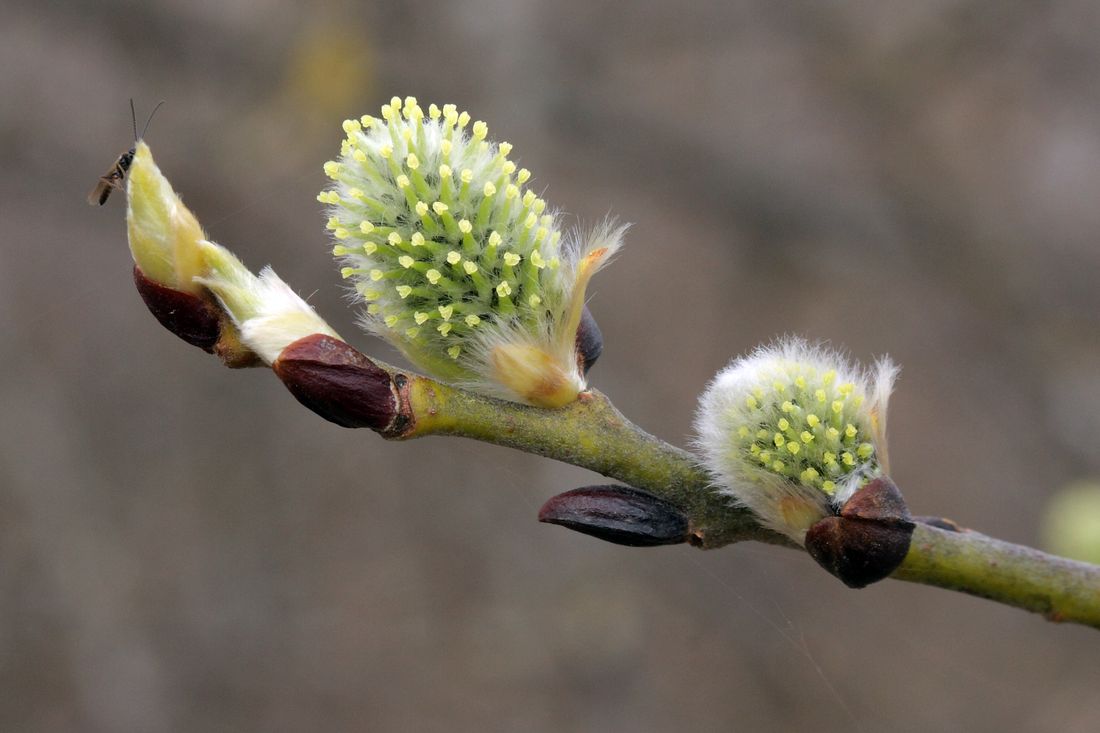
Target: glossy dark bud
338 382
193 319
589 341
618 514
868 540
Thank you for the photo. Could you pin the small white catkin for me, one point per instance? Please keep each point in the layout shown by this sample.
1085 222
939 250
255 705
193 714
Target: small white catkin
792 430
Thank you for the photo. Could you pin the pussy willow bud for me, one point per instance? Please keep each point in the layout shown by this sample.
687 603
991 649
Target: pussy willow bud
165 241
792 431
163 233
268 314
462 268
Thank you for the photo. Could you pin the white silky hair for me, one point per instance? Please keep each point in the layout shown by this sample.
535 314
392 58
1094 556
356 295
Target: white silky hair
723 409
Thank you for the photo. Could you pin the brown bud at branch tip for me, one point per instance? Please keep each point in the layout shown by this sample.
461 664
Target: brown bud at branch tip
337 382
869 539
618 514
589 341
188 316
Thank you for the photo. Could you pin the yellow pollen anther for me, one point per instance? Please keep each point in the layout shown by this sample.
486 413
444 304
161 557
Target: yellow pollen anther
865 450
417 239
819 395
332 168
405 261
453 257
454 351
750 402
466 175
403 291
807 436
370 248
523 176
360 156
848 458
420 317
779 440
812 420
465 226
439 207
504 289
469 267
366 227
352 126
828 487
472 320
376 274
412 161
446 311
445 148
391 321
444 328
537 260
511 259
778 466
433 111
444 171
402 181
793 447
783 424
787 406
433 276
412 332
489 190
346 272
386 151
341 233
833 433
480 130
463 119
421 208
504 148
494 239
535 301
511 191
850 431
838 406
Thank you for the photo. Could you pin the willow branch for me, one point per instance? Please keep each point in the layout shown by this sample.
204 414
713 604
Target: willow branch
592 434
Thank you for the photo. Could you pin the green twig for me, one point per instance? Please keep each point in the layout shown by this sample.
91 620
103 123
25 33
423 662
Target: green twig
592 434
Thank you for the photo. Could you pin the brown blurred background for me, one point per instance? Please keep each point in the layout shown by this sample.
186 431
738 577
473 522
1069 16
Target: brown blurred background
184 548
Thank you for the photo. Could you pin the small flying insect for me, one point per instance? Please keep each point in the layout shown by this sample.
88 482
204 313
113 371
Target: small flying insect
116 174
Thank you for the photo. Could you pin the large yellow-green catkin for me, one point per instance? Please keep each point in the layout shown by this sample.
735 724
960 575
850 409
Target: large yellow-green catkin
453 255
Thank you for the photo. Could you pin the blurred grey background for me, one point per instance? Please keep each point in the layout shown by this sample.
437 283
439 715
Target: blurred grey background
184 548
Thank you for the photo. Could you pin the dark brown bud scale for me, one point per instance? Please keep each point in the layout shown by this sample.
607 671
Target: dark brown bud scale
338 382
618 514
190 317
589 341
868 540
